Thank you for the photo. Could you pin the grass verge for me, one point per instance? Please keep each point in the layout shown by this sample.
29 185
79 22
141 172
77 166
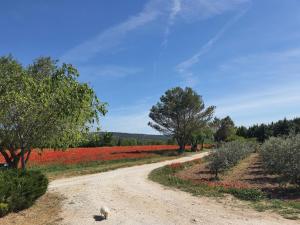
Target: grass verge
167 176
61 170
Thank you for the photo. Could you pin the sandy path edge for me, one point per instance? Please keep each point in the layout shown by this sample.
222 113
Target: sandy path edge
133 199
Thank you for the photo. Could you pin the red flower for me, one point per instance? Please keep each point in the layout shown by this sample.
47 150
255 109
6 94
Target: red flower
176 166
82 155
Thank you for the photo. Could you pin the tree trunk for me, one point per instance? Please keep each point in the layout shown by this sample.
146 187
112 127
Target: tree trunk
28 155
216 174
12 160
194 147
23 164
15 162
181 148
202 145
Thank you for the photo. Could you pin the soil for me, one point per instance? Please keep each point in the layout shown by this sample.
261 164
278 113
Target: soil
248 173
45 211
134 200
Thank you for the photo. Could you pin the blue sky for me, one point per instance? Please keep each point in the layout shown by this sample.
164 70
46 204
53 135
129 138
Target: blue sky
243 56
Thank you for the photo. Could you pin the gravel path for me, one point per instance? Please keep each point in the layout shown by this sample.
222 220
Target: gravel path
133 199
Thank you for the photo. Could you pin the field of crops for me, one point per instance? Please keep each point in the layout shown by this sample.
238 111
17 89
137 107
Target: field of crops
82 155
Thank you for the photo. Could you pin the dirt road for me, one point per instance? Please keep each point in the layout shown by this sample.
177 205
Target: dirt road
133 199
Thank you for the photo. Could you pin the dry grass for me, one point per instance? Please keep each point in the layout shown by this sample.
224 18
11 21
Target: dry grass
45 211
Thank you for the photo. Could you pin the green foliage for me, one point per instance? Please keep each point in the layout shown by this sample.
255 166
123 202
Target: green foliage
167 176
43 105
246 194
218 161
96 139
107 139
4 209
282 156
225 130
129 142
263 132
200 136
19 189
179 113
228 155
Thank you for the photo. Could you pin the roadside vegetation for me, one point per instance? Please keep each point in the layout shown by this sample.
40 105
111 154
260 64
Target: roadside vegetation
19 189
243 170
41 105
47 114
54 171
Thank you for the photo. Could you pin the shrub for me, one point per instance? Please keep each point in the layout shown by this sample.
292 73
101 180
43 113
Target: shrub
20 189
218 161
246 194
228 155
282 156
3 209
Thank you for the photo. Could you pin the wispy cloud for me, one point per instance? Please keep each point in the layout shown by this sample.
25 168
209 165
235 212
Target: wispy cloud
267 106
248 103
188 10
108 71
278 69
184 67
112 36
276 94
175 9
193 10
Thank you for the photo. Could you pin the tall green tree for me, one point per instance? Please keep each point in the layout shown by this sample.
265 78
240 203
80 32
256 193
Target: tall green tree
226 129
242 131
107 139
179 113
43 105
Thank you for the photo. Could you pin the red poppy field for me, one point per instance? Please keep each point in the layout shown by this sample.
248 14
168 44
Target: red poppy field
83 155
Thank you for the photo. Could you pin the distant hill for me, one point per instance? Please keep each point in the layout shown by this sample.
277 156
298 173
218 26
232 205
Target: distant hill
140 136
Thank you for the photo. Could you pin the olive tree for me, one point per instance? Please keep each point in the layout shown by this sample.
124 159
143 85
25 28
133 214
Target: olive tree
179 113
199 137
282 156
42 105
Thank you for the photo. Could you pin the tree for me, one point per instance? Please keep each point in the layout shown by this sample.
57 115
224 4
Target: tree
200 136
107 139
43 105
179 113
225 130
242 131
281 128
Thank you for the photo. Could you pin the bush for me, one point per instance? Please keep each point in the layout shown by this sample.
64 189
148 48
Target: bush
282 156
218 161
3 209
19 190
246 194
229 154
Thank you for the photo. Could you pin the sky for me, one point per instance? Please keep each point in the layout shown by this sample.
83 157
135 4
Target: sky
242 56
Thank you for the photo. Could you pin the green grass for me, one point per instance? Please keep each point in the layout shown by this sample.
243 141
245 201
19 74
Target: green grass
288 209
61 170
166 176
